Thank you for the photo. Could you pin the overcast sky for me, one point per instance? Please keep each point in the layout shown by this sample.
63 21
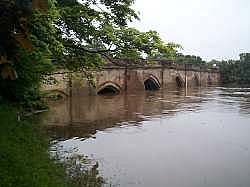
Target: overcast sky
212 29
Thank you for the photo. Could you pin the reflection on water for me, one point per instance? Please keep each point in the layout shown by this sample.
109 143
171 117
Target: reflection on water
162 138
83 116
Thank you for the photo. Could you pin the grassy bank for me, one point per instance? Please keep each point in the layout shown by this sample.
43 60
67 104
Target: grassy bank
24 159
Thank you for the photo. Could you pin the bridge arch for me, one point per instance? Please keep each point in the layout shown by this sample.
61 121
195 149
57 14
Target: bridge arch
58 93
152 83
109 88
179 81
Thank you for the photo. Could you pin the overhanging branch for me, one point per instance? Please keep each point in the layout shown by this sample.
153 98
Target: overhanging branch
98 51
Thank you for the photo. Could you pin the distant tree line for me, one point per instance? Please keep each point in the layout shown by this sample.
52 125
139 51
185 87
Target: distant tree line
236 71
189 59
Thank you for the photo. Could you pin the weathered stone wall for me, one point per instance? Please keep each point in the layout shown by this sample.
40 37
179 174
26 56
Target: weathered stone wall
137 77
132 78
110 76
58 82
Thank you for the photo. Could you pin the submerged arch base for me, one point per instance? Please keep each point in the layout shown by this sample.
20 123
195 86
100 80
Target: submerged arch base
109 88
152 84
179 81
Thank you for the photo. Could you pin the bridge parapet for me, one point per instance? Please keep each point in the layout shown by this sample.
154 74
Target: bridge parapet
126 77
159 64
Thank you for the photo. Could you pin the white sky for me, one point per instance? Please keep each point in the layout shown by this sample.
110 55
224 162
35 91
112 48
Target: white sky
212 29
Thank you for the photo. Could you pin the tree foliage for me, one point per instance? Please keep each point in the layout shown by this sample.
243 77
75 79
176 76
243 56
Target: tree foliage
236 71
77 35
189 59
91 30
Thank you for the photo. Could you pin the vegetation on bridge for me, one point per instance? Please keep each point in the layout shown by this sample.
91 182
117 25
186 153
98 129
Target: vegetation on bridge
189 59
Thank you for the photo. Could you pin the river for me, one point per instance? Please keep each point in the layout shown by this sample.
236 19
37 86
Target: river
198 138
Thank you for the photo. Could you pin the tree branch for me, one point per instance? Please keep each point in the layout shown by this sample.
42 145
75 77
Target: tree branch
100 51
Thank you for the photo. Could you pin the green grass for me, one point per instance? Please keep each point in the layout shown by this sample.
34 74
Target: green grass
24 158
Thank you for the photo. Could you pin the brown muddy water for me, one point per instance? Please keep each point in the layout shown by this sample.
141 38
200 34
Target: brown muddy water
159 139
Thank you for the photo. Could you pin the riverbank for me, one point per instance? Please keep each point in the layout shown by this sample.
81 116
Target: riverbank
24 156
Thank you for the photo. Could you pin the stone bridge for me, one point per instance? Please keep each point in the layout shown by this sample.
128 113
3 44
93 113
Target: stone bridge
119 78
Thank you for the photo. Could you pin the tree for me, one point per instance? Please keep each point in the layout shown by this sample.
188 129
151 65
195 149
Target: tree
83 33
189 59
77 35
236 71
